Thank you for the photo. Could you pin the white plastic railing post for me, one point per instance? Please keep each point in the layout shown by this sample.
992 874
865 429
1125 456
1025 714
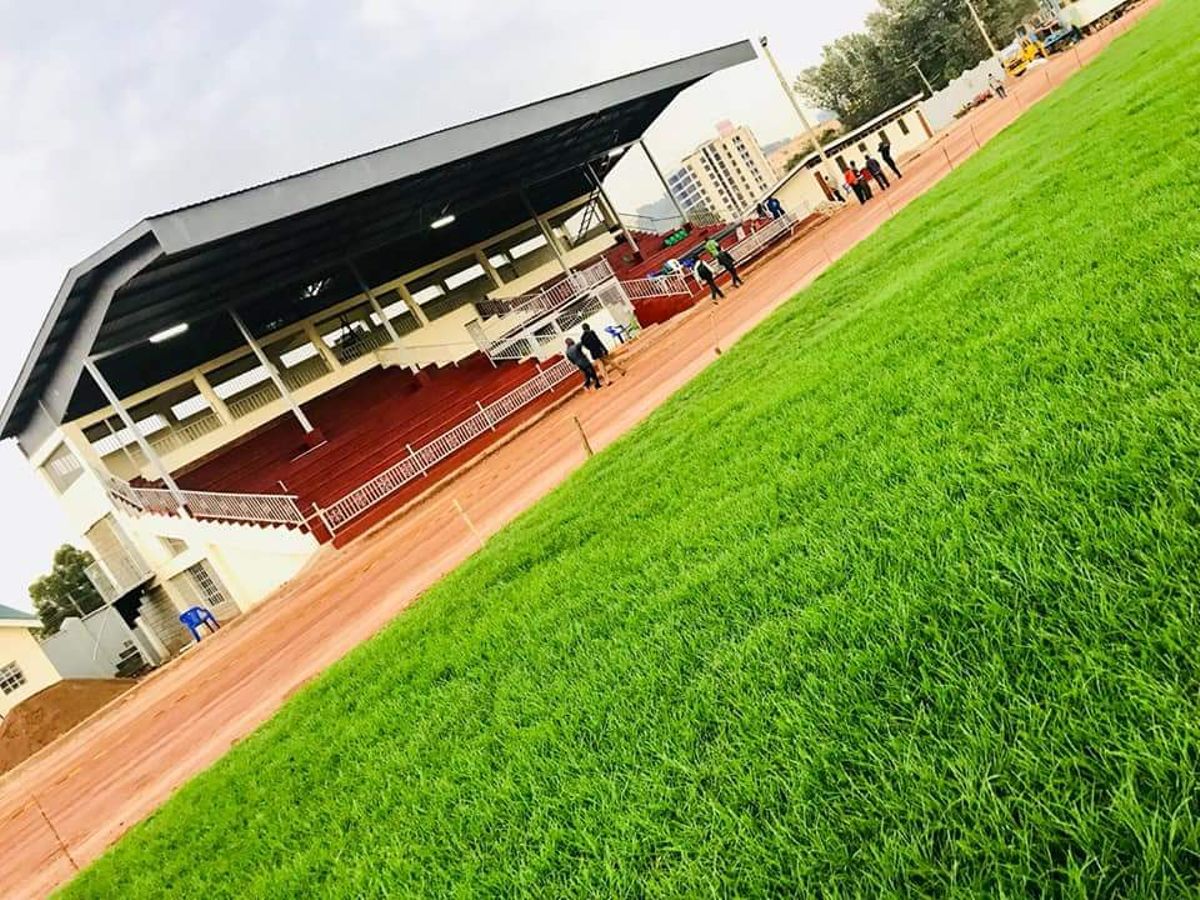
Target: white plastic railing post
416 459
485 415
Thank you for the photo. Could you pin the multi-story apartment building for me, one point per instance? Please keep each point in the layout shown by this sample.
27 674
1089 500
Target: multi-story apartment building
726 175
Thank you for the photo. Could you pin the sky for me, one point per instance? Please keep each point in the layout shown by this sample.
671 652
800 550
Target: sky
112 111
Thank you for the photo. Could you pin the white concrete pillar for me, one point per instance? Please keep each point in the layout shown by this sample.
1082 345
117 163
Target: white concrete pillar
486 265
273 372
215 402
115 402
547 233
365 288
327 354
413 306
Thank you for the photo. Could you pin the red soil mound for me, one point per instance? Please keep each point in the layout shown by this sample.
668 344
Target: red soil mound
34 723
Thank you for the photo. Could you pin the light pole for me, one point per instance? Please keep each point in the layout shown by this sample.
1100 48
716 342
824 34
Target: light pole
928 86
986 37
830 172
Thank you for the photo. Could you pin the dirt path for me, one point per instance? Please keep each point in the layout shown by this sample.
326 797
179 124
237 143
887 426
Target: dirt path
121 765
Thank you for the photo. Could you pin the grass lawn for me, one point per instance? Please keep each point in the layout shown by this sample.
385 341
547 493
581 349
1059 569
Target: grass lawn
901 597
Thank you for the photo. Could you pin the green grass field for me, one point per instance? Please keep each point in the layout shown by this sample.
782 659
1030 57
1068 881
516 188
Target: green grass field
901 597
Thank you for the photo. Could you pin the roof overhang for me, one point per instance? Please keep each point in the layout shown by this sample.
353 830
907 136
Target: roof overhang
182 265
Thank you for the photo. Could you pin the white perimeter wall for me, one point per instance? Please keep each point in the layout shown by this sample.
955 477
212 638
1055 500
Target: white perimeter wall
940 108
89 647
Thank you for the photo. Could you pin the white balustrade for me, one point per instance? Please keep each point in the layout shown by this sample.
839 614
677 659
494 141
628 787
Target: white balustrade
663 286
116 575
340 513
551 298
276 509
173 438
244 404
304 373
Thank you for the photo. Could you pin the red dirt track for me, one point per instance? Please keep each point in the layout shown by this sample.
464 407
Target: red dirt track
123 763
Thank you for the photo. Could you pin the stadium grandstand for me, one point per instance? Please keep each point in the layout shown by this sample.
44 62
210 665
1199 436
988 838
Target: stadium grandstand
225 387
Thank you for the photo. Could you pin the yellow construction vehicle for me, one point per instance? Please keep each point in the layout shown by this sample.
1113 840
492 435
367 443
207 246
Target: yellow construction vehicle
1022 53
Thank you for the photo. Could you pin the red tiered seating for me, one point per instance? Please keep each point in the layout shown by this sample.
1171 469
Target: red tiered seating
368 424
654 254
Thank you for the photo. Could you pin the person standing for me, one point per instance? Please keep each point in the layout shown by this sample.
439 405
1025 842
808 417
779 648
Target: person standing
725 258
876 170
593 345
864 181
705 274
775 207
831 190
997 86
576 355
885 153
852 183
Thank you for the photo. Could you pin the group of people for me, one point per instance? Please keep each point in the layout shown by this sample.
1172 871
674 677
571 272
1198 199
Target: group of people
589 357
589 354
860 180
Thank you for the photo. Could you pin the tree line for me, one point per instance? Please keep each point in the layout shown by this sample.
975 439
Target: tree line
866 73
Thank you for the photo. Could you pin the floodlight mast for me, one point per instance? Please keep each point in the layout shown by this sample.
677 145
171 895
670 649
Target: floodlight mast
830 172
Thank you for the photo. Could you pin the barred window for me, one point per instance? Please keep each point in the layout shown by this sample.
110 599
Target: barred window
11 678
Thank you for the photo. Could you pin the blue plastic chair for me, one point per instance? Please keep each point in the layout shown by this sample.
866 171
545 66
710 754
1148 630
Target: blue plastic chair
616 331
195 617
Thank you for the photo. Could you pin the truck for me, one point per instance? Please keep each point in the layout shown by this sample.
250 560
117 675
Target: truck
1092 15
1017 56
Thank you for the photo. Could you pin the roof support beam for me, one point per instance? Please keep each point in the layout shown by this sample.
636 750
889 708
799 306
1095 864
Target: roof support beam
663 180
115 402
366 289
547 233
633 244
273 372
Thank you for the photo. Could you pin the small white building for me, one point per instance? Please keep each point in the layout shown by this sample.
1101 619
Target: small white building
24 668
904 127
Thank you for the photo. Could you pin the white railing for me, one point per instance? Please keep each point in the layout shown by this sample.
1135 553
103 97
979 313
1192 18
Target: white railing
551 298
524 342
174 438
664 286
271 509
116 576
753 243
361 344
419 460
304 373
263 395
667 224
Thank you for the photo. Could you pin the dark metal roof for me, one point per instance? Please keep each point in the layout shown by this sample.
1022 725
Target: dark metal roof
258 246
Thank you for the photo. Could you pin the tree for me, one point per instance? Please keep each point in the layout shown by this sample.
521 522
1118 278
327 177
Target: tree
795 159
866 73
66 590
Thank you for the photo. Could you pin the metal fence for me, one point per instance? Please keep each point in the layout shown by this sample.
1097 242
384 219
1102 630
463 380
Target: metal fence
664 286
551 298
262 509
173 438
421 459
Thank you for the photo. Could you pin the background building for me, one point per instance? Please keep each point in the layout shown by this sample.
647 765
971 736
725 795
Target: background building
725 175
780 153
24 668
